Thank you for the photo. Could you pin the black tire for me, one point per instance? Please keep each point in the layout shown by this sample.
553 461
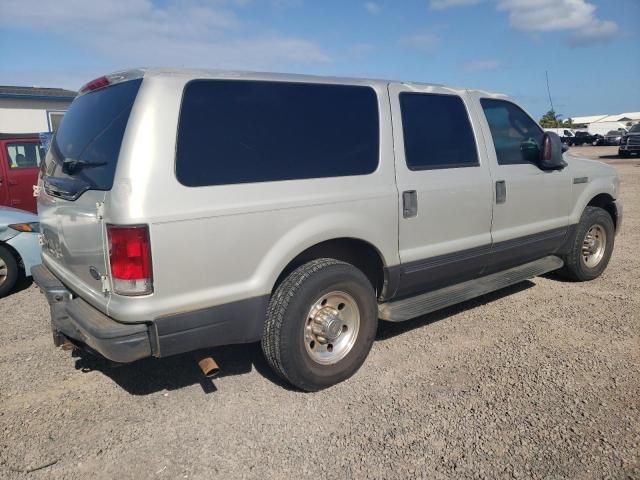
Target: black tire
575 267
283 341
12 271
623 153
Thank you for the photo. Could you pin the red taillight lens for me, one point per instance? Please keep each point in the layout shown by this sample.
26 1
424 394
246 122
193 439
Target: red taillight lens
95 84
130 258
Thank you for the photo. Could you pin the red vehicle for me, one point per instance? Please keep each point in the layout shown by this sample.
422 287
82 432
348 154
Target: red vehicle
20 156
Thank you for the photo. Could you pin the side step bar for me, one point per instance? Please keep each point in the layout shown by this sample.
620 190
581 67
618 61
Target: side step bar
406 309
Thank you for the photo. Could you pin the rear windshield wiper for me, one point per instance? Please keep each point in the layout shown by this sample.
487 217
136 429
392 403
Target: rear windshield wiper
72 165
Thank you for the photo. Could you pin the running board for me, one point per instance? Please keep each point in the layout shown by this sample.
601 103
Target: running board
408 308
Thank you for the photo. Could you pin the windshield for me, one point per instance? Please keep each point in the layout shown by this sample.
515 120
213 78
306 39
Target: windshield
614 132
635 128
84 151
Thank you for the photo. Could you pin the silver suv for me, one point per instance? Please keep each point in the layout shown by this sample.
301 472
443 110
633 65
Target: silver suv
185 209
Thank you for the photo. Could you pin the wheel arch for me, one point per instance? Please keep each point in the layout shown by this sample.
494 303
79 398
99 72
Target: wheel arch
360 253
607 203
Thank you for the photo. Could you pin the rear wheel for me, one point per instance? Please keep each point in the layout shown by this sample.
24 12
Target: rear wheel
321 323
592 247
9 271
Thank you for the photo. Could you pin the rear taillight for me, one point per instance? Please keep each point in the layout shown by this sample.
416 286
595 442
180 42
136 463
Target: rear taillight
130 258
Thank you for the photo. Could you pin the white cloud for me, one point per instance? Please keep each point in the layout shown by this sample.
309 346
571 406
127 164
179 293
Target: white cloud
574 16
373 8
426 42
442 4
481 65
180 33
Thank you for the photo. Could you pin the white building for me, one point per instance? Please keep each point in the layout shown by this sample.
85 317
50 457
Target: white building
32 109
604 123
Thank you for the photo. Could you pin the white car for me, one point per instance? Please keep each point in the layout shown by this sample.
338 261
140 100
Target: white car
19 246
185 209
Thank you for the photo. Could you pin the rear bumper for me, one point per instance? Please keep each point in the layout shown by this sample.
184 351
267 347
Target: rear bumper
77 320
72 317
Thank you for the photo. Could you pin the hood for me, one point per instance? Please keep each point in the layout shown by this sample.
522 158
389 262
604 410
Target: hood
580 166
13 215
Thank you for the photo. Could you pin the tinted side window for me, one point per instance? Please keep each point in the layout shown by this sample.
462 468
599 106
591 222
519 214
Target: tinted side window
437 132
24 155
238 131
515 135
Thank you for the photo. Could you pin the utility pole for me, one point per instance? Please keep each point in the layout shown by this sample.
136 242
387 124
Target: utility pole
555 118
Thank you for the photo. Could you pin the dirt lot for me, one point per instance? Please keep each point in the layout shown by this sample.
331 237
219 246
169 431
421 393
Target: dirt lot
539 381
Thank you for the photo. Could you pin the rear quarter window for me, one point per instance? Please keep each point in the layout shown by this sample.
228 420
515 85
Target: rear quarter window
242 131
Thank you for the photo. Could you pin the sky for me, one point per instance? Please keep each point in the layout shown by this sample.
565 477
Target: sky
590 48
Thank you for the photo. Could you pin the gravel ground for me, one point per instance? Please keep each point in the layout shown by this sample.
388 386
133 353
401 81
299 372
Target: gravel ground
538 381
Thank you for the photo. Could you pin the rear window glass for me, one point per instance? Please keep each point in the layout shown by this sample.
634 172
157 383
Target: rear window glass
86 146
235 131
437 132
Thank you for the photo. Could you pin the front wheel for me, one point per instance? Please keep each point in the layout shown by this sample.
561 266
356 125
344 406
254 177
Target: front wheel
592 247
321 324
9 271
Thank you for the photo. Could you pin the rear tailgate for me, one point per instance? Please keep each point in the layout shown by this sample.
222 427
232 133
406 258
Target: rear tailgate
79 169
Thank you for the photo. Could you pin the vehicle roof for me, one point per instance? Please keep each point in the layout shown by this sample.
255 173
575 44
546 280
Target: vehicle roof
5 136
293 77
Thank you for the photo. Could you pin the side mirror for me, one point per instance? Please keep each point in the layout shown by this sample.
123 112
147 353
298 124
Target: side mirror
551 154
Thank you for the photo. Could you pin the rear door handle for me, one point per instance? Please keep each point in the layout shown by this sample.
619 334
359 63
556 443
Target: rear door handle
409 204
501 191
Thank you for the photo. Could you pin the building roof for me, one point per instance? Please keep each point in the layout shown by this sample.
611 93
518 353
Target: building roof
622 117
617 117
36 93
587 119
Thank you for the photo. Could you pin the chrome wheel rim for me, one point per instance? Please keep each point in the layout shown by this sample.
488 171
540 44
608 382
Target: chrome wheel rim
593 245
331 328
4 272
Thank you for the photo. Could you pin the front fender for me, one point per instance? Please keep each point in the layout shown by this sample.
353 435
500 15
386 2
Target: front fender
583 193
28 247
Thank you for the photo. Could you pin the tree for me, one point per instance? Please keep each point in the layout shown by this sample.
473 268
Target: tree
550 120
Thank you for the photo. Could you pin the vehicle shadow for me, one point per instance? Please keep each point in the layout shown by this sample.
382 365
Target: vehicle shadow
22 284
152 375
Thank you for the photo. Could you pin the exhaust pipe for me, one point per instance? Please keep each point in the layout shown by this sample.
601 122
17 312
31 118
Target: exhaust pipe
67 345
209 367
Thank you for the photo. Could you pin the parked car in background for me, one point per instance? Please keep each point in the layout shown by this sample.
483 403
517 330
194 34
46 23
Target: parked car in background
565 134
585 138
630 143
613 137
19 246
20 157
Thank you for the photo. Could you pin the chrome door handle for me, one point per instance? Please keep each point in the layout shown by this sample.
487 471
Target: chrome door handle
501 191
409 204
